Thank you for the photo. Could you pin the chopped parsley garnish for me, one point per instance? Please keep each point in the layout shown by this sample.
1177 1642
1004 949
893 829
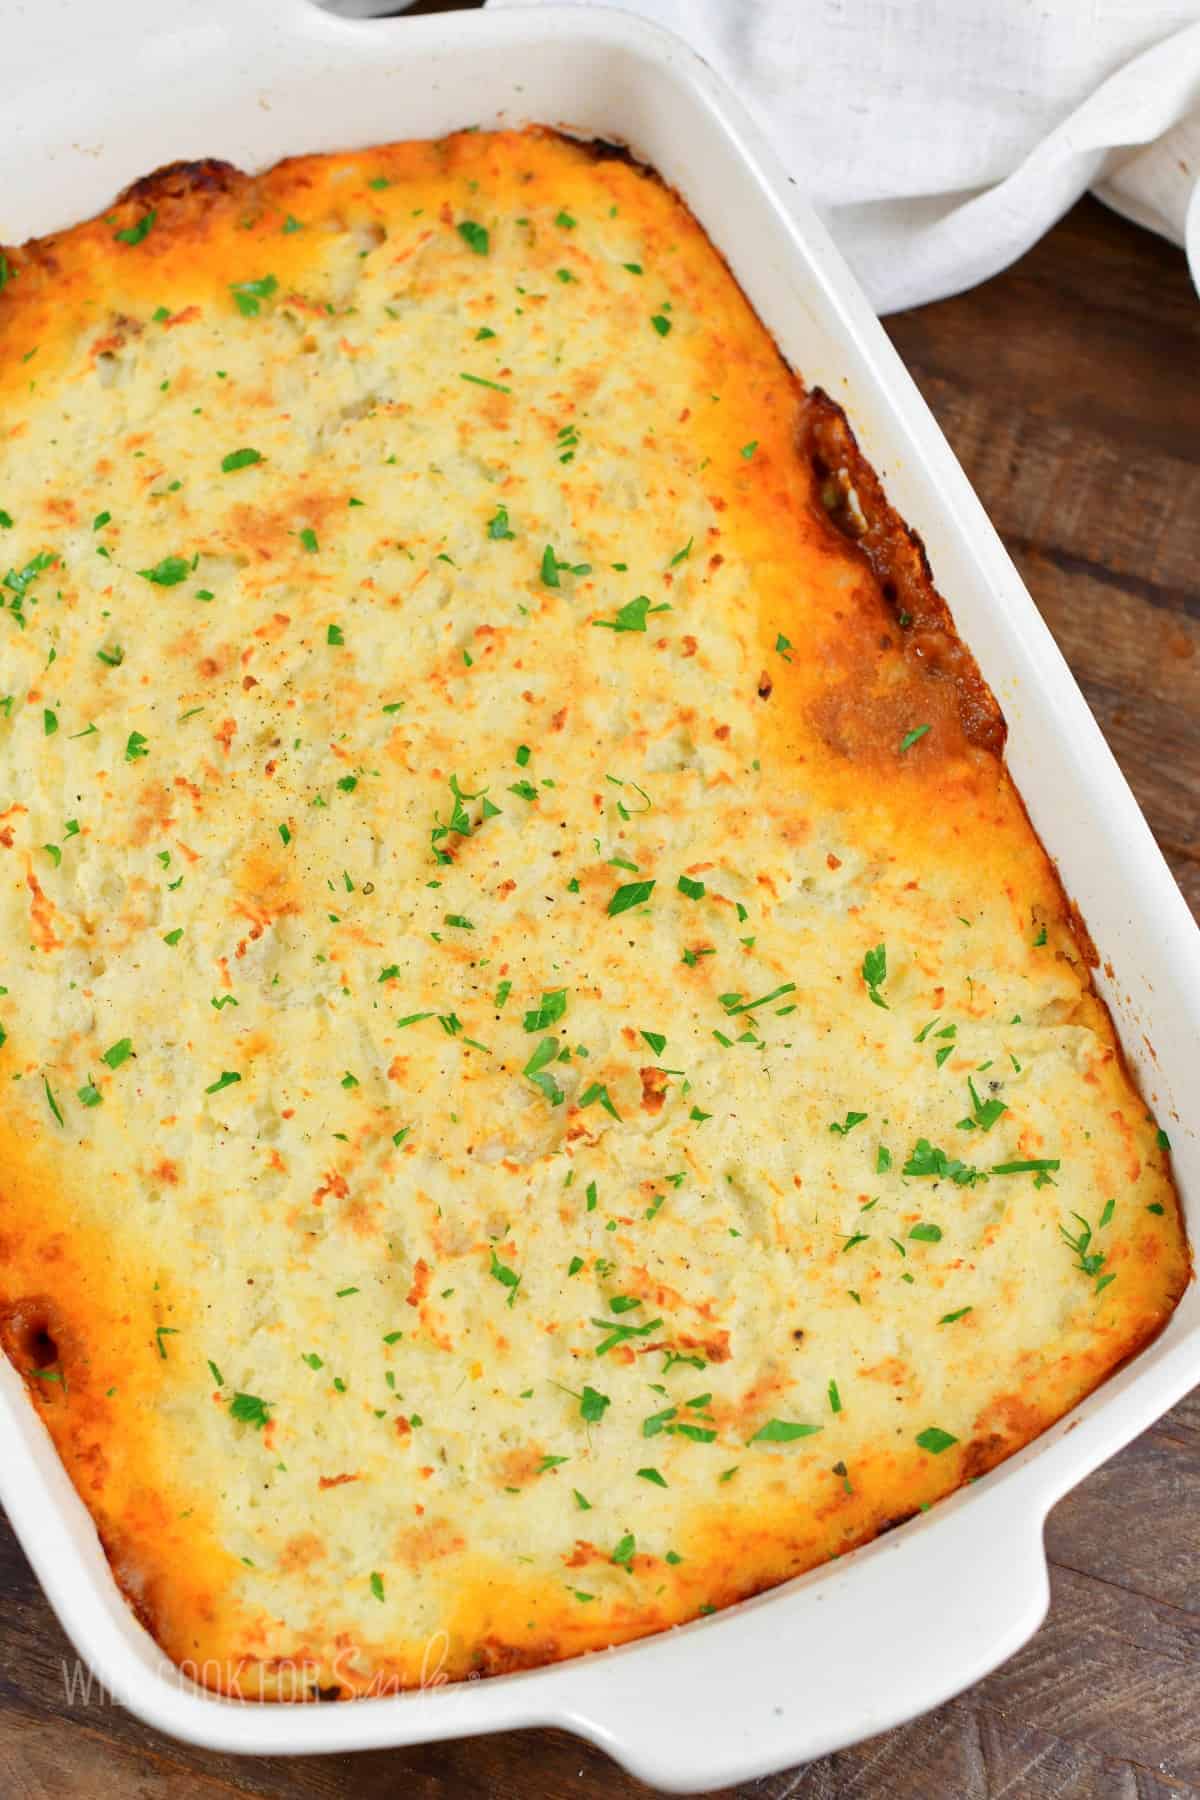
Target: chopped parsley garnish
167 573
874 974
135 746
249 295
694 890
534 1070
1089 1262
835 1399
248 1409
482 381
118 1053
551 1008
748 450
782 1431
498 527
474 236
597 1091
620 1334
926 1234
851 1120
632 616
225 1079
334 635
651 1475
136 234
565 220
505 1276
240 459
935 1440
376 1577
656 1041
17 581
733 1003
625 1552
592 1405
952 1318
553 566
661 324
308 538
913 736
927 1159
631 893
984 1113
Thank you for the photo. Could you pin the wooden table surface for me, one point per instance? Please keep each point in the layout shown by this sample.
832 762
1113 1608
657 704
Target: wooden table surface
1069 388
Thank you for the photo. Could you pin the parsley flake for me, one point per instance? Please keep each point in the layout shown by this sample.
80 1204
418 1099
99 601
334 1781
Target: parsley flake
136 234
782 1431
167 573
631 893
240 459
474 236
248 1409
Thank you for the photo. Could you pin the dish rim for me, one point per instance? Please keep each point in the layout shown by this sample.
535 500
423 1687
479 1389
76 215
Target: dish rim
711 1668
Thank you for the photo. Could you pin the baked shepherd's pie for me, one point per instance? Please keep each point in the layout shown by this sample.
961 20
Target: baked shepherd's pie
550 1084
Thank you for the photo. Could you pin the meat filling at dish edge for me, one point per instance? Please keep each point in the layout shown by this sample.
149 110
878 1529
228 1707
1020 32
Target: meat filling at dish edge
550 1083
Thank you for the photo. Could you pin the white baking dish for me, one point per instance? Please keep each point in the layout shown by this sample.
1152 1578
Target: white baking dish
96 96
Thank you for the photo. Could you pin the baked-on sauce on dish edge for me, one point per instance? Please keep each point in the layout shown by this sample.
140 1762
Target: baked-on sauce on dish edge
550 1084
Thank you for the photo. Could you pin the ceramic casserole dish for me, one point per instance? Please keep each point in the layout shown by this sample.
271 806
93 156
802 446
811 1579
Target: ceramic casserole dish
96 98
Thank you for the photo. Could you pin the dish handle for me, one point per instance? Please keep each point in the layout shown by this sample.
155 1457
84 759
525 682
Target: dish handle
909 1622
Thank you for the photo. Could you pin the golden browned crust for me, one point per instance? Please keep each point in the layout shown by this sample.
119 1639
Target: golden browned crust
853 497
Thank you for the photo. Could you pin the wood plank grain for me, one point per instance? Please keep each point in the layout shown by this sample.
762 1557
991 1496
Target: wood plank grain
1067 387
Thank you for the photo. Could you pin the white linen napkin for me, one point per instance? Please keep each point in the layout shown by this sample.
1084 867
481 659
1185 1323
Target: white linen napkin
941 138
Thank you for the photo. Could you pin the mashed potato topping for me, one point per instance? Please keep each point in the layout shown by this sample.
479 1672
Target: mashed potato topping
550 1084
